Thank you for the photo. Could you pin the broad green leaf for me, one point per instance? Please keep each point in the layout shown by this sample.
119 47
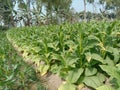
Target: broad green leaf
108 61
36 49
90 71
74 75
94 38
112 71
67 86
53 45
97 57
56 57
101 77
105 87
115 53
93 81
55 69
118 45
118 88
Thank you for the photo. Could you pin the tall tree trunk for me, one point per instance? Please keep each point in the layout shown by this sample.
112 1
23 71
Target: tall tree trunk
84 10
28 16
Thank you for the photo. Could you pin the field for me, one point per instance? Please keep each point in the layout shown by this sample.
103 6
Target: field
15 74
82 54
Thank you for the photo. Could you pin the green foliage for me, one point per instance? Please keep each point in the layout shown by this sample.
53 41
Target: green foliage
114 74
105 87
94 81
80 53
73 76
67 86
3 27
14 73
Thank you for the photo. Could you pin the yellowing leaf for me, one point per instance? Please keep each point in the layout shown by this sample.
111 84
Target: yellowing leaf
80 86
88 56
43 69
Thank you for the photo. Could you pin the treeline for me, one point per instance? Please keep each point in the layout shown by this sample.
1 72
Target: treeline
15 13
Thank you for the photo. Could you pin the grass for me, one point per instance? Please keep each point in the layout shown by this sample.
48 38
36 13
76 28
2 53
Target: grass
15 74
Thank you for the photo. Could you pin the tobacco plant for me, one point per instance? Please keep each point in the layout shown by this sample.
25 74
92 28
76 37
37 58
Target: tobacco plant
15 74
81 54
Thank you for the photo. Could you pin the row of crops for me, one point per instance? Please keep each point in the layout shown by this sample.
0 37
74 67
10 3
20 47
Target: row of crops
83 54
14 73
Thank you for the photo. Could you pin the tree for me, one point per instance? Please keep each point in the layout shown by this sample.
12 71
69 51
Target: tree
30 12
25 13
6 10
115 6
58 9
85 1
112 5
111 8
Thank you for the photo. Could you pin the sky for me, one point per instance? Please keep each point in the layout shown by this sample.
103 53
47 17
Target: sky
78 5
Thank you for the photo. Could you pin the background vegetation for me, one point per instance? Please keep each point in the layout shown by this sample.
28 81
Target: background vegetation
30 12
